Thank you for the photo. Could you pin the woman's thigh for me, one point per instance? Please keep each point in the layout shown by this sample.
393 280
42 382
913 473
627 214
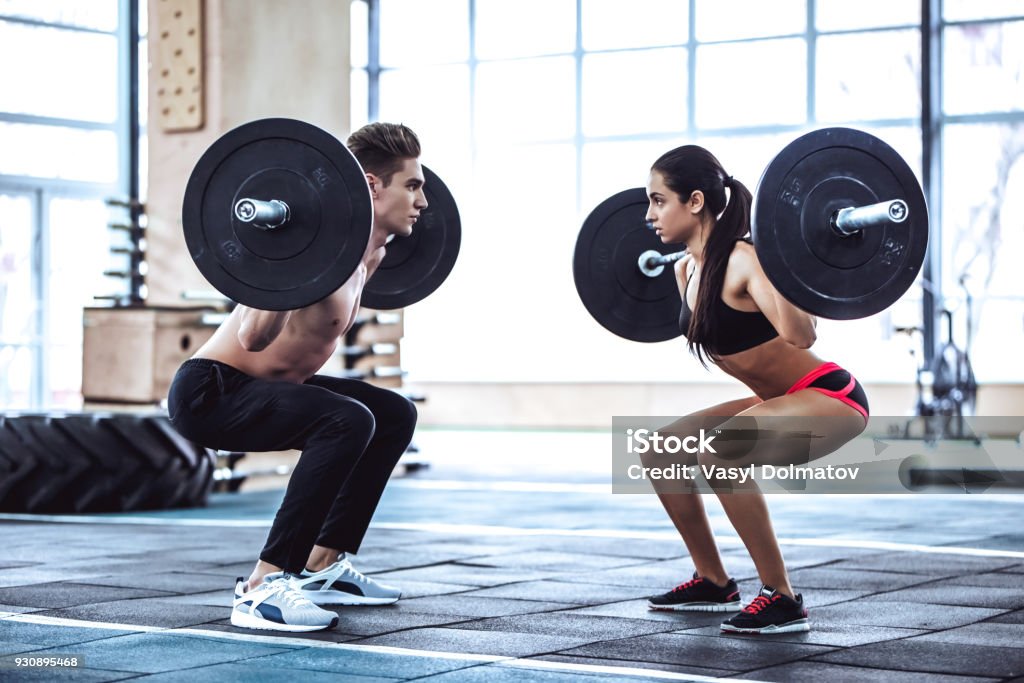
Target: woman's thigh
790 429
710 417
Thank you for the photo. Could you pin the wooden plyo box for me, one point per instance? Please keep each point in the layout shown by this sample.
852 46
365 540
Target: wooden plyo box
130 355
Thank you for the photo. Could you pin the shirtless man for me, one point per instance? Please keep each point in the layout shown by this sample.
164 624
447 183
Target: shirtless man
253 387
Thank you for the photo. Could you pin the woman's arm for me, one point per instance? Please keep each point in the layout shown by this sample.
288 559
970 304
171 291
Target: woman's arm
793 324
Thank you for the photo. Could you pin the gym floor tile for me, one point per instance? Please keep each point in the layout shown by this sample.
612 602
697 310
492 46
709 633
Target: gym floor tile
157 652
968 596
171 582
831 576
560 591
575 599
352 662
385 539
475 642
937 567
815 672
832 635
914 654
244 672
470 606
40 636
463 573
499 673
637 609
637 664
657 576
214 555
556 561
917 615
19 609
815 597
12 578
79 675
628 548
584 626
4 564
1015 617
739 654
380 561
1001 542
379 620
219 598
66 594
467 548
331 636
145 612
413 588
992 579
987 633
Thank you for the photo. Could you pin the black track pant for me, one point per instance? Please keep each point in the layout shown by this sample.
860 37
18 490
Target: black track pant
351 435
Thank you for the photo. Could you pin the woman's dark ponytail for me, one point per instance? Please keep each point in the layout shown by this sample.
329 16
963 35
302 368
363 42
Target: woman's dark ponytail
685 170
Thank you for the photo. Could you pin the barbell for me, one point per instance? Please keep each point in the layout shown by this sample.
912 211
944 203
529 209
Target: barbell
839 224
277 215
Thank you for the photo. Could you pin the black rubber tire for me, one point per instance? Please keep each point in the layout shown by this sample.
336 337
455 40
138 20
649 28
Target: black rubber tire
99 462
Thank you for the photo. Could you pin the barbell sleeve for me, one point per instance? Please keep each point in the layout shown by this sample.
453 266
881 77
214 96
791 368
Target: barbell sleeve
262 214
854 219
652 263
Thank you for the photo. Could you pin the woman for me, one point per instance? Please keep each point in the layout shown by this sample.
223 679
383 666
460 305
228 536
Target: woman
733 317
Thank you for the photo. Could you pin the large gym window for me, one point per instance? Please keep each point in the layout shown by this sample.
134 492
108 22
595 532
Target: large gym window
982 186
63 131
534 114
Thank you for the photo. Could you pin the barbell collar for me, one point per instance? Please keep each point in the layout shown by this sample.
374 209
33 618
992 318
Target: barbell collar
852 220
265 215
652 263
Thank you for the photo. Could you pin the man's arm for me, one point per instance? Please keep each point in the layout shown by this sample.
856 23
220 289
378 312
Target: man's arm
259 328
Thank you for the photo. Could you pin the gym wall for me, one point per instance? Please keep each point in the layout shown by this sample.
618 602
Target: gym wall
260 59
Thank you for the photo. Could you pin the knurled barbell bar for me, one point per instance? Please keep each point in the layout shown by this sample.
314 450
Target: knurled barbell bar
847 222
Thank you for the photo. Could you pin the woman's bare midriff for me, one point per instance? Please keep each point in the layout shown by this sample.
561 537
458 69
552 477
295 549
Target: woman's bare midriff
770 369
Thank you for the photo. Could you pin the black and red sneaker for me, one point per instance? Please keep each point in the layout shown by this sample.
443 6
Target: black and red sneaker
770 612
698 595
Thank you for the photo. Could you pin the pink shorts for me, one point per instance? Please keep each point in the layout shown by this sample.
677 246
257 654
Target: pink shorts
832 380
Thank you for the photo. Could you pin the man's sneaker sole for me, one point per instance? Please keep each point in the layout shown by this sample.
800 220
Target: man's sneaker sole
342 598
243 620
796 626
697 607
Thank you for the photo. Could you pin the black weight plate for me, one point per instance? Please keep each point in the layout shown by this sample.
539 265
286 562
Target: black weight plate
323 241
812 265
415 266
607 272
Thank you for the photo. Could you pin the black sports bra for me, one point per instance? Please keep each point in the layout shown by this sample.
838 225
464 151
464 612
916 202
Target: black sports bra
736 330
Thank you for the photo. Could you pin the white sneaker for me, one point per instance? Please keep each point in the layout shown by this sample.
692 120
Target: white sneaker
343 584
274 605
